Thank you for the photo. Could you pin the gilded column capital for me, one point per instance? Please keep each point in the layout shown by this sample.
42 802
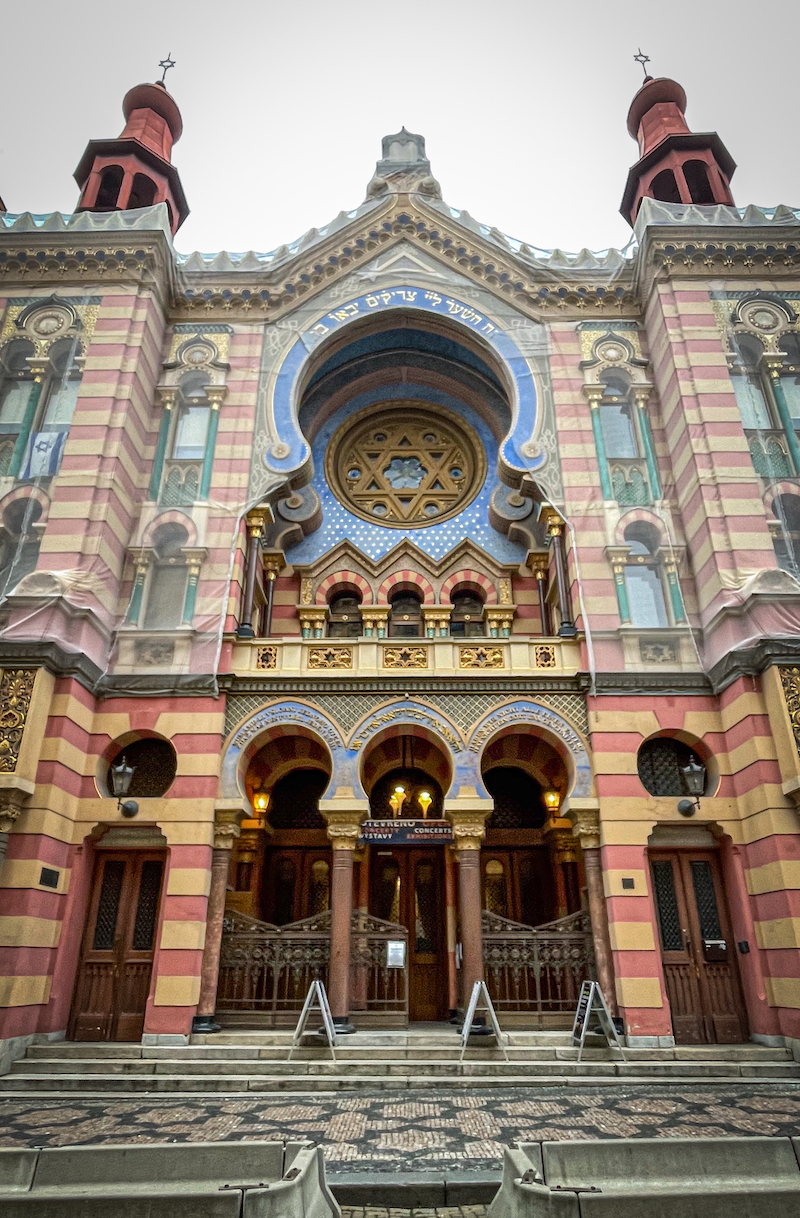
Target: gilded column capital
641 393
552 520
469 822
593 394
167 395
343 818
216 395
228 817
273 564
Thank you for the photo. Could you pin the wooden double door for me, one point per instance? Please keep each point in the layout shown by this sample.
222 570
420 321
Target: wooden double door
118 946
697 949
407 886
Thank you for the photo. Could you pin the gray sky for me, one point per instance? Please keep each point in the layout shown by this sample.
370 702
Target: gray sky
522 105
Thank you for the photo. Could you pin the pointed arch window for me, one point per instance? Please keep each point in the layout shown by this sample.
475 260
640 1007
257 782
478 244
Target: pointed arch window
644 577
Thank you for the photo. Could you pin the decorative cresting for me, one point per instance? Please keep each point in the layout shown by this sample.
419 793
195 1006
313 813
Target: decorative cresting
521 450
536 716
16 690
405 465
790 681
537 969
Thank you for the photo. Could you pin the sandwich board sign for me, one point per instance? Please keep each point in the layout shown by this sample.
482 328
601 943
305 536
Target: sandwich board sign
592 1003
316 999
480 1000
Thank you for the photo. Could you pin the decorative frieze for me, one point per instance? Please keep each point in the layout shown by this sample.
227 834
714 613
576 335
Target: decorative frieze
330 657
481 657
545 655
267 656
16 690
405 657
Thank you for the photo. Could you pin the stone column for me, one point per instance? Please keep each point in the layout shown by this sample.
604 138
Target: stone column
469 830
343 827
586 827
450 928
540 575
561 848
255 528
273 565
359 995
228 816
555 527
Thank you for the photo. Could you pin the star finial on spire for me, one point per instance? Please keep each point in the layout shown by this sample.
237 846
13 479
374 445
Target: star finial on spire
166 64
641 58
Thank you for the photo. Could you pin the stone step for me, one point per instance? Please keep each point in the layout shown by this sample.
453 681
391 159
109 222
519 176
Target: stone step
590 1074
147 1073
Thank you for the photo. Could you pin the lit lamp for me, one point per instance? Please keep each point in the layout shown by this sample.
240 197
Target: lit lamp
424 799
260 801
396 800
694 777
552 800
121 775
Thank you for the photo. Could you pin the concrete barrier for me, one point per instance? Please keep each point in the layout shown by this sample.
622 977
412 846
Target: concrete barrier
651 1178
175 1180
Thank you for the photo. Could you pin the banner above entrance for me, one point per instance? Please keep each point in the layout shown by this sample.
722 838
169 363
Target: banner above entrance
406 832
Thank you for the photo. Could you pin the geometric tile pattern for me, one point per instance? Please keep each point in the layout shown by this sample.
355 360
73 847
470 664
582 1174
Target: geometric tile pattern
422 1130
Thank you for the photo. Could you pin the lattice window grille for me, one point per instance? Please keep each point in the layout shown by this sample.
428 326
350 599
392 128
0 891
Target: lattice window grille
108 906
669 921
706 898
149 890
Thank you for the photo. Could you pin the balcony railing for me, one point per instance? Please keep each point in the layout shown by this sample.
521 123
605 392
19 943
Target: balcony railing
381 657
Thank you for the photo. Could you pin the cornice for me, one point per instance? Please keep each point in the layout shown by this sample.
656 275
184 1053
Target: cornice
716 251
54 658
538 287
97 259
652 683
233 684
752 661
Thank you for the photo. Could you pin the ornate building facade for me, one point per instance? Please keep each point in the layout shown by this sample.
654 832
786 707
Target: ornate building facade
405 607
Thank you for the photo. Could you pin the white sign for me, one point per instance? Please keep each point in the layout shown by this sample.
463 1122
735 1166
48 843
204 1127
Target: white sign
316 999
480 1000
396 953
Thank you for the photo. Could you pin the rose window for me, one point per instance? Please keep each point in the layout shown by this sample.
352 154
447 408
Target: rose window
405 464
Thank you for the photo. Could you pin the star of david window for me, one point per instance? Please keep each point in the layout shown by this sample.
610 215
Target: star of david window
405 465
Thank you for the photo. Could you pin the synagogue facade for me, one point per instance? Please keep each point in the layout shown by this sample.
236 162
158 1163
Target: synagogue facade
406 607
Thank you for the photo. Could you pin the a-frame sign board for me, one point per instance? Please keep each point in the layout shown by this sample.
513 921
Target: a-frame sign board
316 1000
592 1003
480 1001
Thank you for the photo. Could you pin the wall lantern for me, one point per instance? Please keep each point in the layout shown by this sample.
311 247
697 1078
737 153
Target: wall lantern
552 800
694 776
425 799
121 775
260 801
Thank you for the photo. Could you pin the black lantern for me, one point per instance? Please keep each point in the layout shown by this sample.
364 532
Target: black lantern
121 775
694 776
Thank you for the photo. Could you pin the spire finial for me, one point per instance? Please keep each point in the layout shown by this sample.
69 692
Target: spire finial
643 59
166 64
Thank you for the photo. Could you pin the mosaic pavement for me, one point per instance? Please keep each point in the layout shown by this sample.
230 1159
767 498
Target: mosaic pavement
425 1130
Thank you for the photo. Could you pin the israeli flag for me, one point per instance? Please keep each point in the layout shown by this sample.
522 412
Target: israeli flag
45 450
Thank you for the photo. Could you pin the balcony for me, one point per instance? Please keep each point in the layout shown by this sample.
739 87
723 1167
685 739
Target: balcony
371 657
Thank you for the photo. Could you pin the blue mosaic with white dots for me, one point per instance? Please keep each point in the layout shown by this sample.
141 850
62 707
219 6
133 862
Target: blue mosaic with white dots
437 540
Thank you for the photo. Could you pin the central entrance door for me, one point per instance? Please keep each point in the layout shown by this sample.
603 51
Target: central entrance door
698 952
408 887
118 944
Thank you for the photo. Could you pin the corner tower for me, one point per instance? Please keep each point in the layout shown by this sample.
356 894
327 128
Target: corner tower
135 170
675 165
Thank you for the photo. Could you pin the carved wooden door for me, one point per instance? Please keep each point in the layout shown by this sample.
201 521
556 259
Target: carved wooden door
118 946
697 949
408 887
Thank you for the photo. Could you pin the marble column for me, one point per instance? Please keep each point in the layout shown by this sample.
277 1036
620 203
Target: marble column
555 527
562 849
359 996
451 916
255 529
343 828
228 816
469 830
586 827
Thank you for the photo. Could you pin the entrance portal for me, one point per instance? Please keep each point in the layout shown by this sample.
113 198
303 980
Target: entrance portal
700 969
408 887
117 955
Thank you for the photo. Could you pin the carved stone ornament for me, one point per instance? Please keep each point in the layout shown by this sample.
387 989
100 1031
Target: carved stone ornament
306 592
10 810
343 829
586 827
156 652
226 826
658 651
468 834
481 657
790 680
16 690
267 656
545 655
330 657
405 657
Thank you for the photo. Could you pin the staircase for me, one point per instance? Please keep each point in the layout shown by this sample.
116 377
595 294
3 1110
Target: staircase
240 1062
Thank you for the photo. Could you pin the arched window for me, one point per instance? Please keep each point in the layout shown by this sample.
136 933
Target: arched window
167 587
495 896
621 425
294 803
63 385
517 798
19 541
110 184
665 187
143 191
405 617
466 620
643 577
191 427
747 383
696 175
154 763
660 764
15 391
786 509
344 621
